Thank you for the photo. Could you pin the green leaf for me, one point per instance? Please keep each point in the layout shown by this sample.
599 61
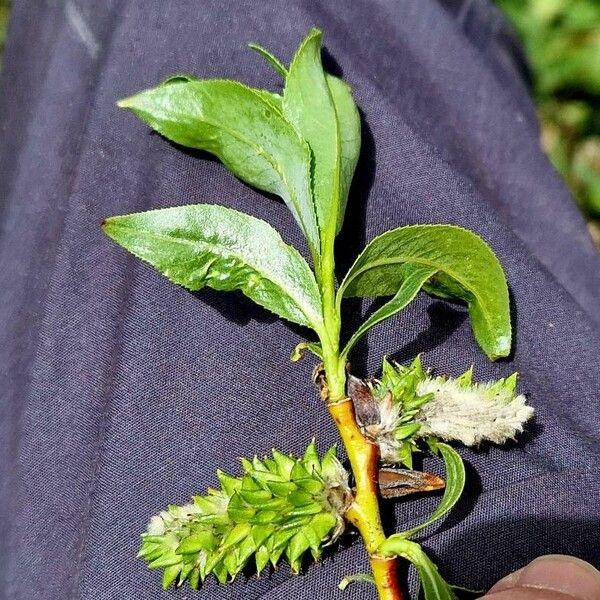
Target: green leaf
455 484
277 65
323 111
275 100
433 585
466 269
411 283
245 129
349 128
206 245
178 78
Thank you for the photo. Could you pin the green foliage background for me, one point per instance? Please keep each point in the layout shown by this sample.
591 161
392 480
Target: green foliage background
4 9
562 42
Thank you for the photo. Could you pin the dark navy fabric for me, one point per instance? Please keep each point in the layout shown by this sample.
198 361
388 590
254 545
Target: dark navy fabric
121 393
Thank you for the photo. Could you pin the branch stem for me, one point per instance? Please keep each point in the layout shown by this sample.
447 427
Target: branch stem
363 455
386 577
364 512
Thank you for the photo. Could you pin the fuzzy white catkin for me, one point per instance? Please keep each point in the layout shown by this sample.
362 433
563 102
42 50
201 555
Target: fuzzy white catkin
389 449
471 414
389 415
177 516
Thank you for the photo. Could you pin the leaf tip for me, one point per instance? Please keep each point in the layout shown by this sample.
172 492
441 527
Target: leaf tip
501 348
126 102
106 225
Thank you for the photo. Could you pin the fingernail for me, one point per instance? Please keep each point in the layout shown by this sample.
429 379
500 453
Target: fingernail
507 582
557 573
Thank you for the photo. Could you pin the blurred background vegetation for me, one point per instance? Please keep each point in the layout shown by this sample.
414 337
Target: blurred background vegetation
4 6
562 42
